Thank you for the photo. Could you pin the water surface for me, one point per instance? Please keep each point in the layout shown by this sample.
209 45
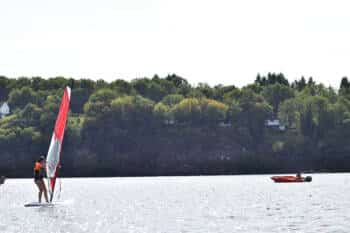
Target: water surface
181 204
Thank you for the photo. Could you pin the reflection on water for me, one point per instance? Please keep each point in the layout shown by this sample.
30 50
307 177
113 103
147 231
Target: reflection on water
181 204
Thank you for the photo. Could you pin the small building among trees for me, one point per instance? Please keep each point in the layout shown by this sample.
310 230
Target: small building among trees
276 124
4 110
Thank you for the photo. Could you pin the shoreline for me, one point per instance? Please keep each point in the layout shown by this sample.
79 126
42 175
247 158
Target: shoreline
204 175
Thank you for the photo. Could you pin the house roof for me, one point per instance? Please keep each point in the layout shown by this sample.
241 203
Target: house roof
275 122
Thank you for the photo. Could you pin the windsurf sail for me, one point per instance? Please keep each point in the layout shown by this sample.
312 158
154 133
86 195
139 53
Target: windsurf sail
54 153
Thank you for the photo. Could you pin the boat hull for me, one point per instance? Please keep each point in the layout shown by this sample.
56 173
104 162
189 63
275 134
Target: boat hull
290 179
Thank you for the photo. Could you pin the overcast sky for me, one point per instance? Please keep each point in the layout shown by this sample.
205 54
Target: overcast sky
218 41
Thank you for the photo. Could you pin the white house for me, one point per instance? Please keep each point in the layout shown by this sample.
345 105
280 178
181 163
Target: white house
225 124
4 110
275 124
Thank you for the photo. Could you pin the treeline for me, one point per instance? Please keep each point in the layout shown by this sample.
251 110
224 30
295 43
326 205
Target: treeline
165 126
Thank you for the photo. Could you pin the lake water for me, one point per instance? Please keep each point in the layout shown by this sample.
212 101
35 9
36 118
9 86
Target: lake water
181 204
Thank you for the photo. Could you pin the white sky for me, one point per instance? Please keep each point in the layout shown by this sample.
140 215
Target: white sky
218 41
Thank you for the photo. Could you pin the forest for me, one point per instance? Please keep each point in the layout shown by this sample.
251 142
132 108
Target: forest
165 126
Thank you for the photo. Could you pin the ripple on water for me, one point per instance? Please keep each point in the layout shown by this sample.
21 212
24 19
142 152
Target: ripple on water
181 204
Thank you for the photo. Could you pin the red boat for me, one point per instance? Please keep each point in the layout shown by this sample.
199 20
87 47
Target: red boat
290 179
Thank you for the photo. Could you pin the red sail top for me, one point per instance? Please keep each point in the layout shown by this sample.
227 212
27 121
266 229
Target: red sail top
62 115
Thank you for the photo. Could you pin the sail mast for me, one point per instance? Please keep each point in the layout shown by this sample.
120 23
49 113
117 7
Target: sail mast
54 153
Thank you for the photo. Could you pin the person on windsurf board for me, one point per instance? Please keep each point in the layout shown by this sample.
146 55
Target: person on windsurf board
2 180
39 171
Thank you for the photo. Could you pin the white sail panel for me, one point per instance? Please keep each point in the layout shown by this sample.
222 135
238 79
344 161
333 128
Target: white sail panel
53 156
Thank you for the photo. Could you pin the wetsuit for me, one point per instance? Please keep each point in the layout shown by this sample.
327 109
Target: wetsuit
38 172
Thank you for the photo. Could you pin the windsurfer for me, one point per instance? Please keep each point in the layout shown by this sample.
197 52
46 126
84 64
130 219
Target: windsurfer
2 180
39 170
298 175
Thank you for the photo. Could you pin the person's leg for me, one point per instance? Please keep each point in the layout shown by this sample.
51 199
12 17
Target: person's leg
45 192
40 195
38 183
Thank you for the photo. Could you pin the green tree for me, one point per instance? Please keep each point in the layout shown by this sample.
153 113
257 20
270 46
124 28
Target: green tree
323 116
253 117
344 86
289 112
133 112
167 86
123 87
234 113
31 115
101 84
100 102
80 97
212 112
38 83
206 90
4 88
49 114
19 98
57 83
187 111
299 85
276 94
21 82
177 80
220 91
172 99
233 95
149 89
86 84
307 124
271 78
162 112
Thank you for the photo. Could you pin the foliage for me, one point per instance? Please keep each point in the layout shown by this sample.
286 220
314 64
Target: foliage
187 111
166 126
19 98
132 111
276 94
99 102
172 99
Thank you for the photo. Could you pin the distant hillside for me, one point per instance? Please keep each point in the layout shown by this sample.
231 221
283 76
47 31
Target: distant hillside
165 126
